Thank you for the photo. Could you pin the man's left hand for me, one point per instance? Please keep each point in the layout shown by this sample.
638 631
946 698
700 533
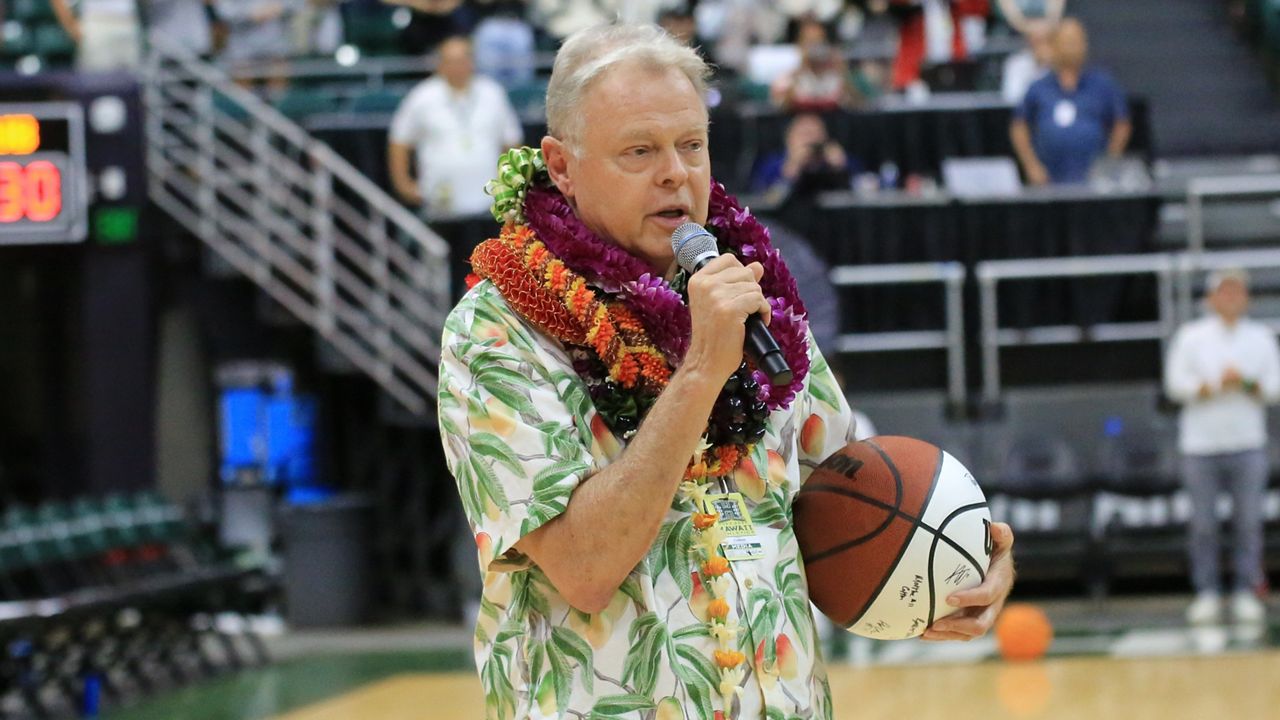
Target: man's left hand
980 606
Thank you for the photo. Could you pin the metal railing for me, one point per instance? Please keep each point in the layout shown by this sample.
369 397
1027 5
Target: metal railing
286 211
951 276
1175 277
993 272
1237 187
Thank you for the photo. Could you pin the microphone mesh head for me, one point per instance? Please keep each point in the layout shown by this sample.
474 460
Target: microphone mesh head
691 241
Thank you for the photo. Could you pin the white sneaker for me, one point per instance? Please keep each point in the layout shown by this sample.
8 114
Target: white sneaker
1206 609
1247 608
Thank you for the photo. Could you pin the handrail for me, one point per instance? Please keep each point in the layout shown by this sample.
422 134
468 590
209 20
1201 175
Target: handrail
990 273
300 221
952 276
1232 186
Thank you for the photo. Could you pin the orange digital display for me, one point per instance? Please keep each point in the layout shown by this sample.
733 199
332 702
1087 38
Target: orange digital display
30 191
19 134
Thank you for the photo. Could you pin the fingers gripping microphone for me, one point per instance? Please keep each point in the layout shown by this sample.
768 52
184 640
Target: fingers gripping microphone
695 247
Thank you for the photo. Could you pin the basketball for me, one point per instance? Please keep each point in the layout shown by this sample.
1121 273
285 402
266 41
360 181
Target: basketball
888 528
1023 632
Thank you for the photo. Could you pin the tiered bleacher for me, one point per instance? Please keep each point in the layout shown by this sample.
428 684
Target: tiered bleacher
105 599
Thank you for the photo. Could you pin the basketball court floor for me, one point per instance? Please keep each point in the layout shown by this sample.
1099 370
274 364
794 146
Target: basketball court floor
1131 659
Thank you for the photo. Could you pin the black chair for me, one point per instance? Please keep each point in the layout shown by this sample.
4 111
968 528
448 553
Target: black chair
1139 481
1041 490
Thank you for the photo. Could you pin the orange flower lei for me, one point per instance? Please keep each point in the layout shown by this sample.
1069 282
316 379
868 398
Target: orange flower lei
558 301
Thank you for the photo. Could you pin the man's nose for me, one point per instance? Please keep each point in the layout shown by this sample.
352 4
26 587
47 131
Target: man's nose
672 171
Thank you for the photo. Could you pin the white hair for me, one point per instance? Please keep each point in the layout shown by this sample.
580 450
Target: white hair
587 54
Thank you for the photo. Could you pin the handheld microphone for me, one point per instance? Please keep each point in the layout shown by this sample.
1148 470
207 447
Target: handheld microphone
694 248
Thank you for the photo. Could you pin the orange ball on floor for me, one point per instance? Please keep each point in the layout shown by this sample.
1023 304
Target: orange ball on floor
1023 632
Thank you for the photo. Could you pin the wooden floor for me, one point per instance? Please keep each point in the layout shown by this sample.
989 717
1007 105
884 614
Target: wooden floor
1245 686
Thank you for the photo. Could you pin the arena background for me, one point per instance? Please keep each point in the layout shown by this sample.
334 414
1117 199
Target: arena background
222 489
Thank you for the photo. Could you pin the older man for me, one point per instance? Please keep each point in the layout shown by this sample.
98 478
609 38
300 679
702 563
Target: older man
1071 116
600 421
1224 368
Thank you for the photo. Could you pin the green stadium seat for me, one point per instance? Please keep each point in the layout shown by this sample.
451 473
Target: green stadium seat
53 43
297 104
530 98
31 11
372 30
377 101
18 40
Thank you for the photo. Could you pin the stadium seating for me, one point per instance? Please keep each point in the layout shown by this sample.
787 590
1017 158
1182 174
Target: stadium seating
118 593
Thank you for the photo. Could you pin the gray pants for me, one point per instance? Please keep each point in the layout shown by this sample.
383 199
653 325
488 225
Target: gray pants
1244 475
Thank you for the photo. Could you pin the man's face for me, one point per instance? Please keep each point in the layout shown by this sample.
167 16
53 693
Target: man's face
640 168
455 62
1070 46
1230 299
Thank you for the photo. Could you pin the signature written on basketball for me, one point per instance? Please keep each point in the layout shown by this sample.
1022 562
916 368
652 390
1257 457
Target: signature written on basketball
962 572
911 592
878 627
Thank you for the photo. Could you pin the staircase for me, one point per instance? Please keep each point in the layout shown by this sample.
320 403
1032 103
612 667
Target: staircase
1207 90
306 227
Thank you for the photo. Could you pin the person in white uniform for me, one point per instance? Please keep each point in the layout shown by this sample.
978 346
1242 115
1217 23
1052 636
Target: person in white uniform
455 124
1224 369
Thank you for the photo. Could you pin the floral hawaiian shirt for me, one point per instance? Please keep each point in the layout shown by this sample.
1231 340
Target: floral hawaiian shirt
520 434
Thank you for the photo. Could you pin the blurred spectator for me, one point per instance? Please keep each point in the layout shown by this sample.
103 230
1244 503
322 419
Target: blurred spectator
455 124
317 27
1224 368
1070 117
680 25
810 163
1029 64
935 31
821 82
258 36
433 22
822 307
184 23
106 33
504 48
1021 14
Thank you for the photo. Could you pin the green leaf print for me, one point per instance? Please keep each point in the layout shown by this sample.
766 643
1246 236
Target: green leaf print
763 608
699 676
647 637
795 599
768 511
491 446
695 630
488 485
472 503
573 646
500 696
679 563
631 588
656 560
616 706
773 713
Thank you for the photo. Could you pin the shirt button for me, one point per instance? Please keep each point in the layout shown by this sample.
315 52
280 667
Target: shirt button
748 583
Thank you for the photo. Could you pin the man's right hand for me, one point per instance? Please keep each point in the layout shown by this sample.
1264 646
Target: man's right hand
722 295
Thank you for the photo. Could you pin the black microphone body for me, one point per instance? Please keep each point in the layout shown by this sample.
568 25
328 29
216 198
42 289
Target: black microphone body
759 344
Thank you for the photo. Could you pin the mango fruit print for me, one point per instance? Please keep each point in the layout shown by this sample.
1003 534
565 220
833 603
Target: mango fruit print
520 435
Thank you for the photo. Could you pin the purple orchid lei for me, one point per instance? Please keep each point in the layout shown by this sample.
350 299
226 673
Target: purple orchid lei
660 307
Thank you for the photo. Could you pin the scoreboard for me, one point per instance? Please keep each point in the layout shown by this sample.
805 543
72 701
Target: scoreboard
43 179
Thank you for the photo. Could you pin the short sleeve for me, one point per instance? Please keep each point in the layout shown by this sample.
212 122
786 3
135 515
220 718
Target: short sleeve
406 124
513 424
826 422
1027 109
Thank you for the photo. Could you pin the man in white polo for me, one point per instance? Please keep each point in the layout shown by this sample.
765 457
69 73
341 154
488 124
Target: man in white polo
455 124
1224 368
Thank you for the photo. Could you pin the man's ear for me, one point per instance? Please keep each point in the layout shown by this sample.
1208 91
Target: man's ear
557 156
